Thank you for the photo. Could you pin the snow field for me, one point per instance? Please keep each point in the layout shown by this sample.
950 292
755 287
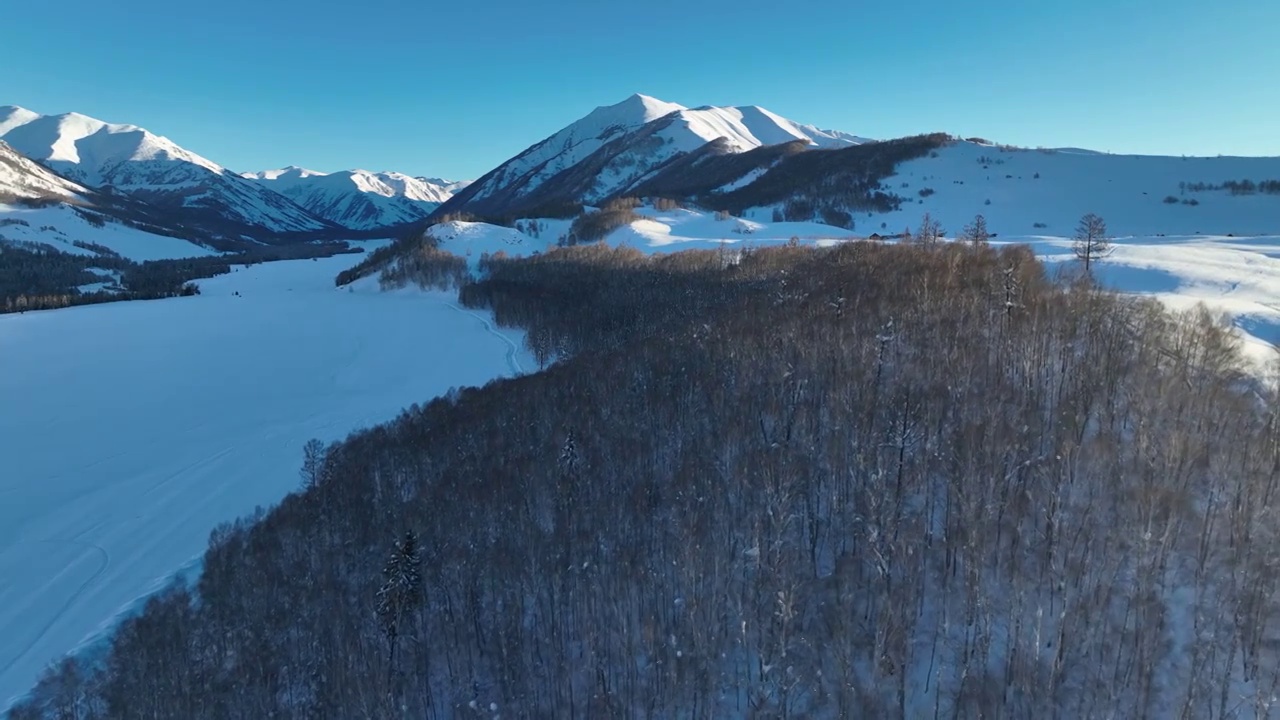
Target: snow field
128 431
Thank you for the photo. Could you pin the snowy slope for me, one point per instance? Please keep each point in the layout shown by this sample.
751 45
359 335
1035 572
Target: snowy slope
54 223
573 144
21 178
616 146
132 429
359 199
59 227
1128 191
137 162
748 127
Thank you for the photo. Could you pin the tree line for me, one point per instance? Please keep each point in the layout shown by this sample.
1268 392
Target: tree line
861 481
35 276
1235 187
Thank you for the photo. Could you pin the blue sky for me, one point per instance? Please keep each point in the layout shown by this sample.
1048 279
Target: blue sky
453 89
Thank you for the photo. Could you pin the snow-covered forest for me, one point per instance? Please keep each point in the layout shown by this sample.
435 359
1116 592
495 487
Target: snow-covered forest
858 481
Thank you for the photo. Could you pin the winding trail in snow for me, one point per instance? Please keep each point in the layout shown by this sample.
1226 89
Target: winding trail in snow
105 558
513 350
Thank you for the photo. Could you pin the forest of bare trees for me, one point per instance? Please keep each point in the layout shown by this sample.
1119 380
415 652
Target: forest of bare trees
862 481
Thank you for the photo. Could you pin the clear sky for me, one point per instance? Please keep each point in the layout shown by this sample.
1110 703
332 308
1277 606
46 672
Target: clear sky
454 88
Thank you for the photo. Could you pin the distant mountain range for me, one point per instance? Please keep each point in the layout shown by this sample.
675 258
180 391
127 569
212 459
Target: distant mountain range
128 160
359 199
746 161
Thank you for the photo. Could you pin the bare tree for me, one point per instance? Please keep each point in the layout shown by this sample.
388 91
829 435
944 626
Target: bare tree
312 463
976 232
1092 242
930 231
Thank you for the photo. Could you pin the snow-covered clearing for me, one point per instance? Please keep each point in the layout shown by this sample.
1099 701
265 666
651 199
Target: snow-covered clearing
129 430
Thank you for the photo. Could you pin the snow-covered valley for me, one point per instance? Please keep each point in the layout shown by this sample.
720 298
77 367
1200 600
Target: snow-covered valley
128 431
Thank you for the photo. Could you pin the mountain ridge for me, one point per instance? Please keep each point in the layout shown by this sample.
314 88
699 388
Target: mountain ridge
616 146
359 199
130 160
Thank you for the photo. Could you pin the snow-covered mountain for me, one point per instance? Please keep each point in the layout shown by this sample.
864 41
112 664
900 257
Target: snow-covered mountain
130 160
359 199
617 146
23 179
38 207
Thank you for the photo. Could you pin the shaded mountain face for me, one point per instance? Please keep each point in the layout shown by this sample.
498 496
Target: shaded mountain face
359 199
129 160
21 179
615 148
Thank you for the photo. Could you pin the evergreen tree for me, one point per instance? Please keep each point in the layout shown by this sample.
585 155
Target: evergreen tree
569 460
401 592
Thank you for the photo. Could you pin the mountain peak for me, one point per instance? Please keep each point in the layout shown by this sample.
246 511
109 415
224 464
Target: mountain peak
12 116
625 142
640 106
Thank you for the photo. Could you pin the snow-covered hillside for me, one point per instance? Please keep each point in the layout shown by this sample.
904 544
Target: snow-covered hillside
56 219
359 199
619 145
60 227
134 161
22 179
1044 192
132 429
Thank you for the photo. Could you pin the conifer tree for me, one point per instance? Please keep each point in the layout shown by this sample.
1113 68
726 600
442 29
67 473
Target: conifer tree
401 592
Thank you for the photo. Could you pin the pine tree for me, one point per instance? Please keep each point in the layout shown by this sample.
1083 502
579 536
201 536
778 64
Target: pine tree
569 460
401 592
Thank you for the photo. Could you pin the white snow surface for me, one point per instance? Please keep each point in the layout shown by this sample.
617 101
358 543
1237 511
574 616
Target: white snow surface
137 161
748 127
360 199
130 430
1128 191
59 227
